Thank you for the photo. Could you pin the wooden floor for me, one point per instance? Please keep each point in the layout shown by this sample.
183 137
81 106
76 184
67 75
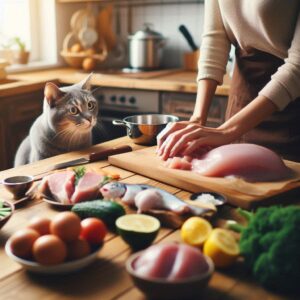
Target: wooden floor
107 277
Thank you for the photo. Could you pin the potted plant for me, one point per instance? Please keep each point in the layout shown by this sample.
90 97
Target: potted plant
21 56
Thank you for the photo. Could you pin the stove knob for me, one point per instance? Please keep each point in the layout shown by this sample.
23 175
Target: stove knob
132 100
101 98
122 99
113 98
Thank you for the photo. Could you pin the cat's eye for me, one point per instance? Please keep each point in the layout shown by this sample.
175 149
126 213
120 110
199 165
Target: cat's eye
74 110
91 105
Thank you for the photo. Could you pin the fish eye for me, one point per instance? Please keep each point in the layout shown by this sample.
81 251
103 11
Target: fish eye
74 110
91 105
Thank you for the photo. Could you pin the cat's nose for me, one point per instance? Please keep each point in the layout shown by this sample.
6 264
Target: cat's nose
90 119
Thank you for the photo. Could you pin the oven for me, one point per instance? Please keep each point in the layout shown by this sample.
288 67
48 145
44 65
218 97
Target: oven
118 103
182 106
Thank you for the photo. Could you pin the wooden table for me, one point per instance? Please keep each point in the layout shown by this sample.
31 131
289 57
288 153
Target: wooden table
107 277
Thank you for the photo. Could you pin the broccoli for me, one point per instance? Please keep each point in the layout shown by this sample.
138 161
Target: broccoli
270 245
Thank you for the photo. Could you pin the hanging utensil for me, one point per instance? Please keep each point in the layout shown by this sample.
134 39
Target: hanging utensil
87 35
188 37
119 50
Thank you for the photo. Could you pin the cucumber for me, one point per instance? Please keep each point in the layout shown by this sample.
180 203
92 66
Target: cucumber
107 211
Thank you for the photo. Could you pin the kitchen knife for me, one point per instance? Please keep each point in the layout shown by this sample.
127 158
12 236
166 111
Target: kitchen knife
188 37
92 157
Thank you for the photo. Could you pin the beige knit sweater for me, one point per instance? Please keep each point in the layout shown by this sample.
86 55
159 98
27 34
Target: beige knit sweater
271 26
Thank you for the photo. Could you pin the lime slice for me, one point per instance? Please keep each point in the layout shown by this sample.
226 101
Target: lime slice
138 230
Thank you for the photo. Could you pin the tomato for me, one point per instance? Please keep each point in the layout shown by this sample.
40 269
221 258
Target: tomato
93 230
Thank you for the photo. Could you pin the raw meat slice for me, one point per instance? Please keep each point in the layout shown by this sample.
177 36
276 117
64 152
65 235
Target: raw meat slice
157 261
171 261
180 163
87 187
59 185
189 262
249 161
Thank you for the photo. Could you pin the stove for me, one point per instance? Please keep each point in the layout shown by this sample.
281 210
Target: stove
118 103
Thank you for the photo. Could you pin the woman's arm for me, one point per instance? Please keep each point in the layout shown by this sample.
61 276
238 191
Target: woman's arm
194 136
205 93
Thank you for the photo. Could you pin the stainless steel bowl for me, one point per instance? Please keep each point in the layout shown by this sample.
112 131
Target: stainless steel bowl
143 129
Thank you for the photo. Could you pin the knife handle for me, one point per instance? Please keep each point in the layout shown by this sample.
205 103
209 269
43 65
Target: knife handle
103 154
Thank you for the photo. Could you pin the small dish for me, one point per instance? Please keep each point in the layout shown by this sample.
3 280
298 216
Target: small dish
4 220
57 204
66 267
18 185
213 198
190 288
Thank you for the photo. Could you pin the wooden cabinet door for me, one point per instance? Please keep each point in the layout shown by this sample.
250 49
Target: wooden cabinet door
22 112
3 156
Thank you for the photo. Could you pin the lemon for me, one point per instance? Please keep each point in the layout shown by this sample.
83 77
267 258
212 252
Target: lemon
195 231
221 247
138 230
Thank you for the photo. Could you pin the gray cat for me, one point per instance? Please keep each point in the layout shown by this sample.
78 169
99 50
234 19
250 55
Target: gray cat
69 115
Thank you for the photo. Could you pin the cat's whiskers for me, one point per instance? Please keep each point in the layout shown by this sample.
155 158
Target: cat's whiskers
60 134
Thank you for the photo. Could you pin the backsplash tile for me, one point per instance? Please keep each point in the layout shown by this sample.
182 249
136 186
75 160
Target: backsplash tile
166 19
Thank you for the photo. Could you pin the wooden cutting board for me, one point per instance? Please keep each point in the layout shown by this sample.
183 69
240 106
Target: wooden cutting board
238 192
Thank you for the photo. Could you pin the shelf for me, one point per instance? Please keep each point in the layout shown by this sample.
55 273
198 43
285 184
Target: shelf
134 2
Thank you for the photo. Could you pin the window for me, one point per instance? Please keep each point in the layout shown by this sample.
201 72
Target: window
25 19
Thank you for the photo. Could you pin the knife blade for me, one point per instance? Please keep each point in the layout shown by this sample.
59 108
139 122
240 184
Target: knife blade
91 157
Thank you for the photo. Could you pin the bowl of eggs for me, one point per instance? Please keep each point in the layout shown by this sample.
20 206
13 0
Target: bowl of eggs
77 56
62 245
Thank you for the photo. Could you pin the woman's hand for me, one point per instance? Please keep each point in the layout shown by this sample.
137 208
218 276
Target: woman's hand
186 137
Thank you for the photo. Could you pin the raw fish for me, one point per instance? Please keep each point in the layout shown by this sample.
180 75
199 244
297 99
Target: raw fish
251 162
146 197
171 261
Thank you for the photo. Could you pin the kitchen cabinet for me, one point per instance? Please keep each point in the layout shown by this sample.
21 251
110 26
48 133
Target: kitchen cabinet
17 115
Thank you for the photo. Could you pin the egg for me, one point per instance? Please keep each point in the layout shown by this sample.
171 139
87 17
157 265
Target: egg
66 225
76 48
90 51
40 224
88 64
49 250
78 249
21 242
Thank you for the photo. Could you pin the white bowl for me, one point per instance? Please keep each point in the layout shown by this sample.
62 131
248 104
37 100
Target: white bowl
63 268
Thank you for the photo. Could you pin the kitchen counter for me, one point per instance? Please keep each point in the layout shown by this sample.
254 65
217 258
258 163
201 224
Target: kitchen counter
107 277
175 80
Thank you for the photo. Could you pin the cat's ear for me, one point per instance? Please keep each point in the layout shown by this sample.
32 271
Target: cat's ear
52 93
85 84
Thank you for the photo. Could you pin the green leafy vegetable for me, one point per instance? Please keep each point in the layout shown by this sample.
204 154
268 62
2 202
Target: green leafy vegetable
79 172
270 245
4 211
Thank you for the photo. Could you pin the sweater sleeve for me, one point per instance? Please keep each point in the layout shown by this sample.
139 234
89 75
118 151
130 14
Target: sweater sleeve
215 44
284 85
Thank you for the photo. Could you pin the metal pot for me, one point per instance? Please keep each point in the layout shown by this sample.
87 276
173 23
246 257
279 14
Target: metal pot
145 49
143 129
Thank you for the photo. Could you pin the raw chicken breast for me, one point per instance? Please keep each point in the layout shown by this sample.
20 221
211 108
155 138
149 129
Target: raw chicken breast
59 185
171 261
180 163
87 187
248 161
147 200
